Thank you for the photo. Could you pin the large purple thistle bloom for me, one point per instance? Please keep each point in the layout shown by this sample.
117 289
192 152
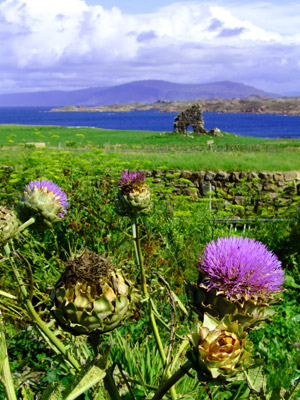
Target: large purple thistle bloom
50 186
241 267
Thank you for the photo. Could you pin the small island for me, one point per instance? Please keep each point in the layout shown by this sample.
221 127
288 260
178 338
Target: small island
253 104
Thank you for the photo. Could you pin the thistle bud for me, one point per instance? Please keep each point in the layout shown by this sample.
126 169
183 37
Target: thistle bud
134 196
91 297
8 225
220 349
44 201
252 313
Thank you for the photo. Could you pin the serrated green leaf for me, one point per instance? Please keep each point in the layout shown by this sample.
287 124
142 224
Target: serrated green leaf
210 322
84 380
256 379
88 377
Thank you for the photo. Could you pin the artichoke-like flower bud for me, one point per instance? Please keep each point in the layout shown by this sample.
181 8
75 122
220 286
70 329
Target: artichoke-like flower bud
252 313
91 296
44 201
220 349
240 277
134 196
8 224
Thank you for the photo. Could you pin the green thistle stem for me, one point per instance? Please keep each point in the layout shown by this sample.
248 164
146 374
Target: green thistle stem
56 342
162 390
35 317
25 225
110 385
8 295
139 260
138 252
5 375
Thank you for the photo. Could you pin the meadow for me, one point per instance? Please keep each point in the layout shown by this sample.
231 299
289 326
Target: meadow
87 166
145 149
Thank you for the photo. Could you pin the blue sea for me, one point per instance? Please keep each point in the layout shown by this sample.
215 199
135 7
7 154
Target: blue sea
258 125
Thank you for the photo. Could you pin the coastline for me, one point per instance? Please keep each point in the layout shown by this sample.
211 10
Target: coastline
248 105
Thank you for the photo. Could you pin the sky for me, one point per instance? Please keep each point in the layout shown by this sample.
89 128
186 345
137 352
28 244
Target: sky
74 44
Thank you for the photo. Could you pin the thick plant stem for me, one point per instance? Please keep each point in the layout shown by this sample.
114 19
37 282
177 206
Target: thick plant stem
138 253
35 317
26 224
139 260
162 390
6 376
110 385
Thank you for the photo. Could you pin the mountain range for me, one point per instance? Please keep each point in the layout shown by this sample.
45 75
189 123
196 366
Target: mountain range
147 91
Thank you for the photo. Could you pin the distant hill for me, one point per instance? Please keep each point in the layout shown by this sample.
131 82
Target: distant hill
148 91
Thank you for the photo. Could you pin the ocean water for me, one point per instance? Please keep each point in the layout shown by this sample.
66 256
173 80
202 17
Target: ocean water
258 125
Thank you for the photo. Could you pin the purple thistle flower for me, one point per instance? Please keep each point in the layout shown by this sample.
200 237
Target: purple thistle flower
131 178
131 181
134 195
241 267
49 186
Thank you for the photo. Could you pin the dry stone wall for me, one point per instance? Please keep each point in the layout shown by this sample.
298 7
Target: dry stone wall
278 190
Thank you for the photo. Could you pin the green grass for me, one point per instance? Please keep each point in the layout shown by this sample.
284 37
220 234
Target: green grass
152 150
228 161
281 160
12 135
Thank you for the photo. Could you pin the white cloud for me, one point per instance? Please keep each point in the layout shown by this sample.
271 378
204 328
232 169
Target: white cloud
66 44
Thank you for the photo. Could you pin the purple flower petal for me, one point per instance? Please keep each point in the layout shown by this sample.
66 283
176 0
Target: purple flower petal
131 178
241 267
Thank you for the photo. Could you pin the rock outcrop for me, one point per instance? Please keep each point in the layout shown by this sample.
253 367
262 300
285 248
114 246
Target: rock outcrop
191 116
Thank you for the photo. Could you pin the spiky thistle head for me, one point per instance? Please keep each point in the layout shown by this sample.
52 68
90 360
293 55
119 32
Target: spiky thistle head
9 224
237 277
43 200
241 268
134 196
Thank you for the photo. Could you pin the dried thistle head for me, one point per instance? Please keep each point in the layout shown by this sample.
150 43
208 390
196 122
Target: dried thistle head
91 296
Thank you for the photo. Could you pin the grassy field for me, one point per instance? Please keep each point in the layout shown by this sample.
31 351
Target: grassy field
13 135
148 150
